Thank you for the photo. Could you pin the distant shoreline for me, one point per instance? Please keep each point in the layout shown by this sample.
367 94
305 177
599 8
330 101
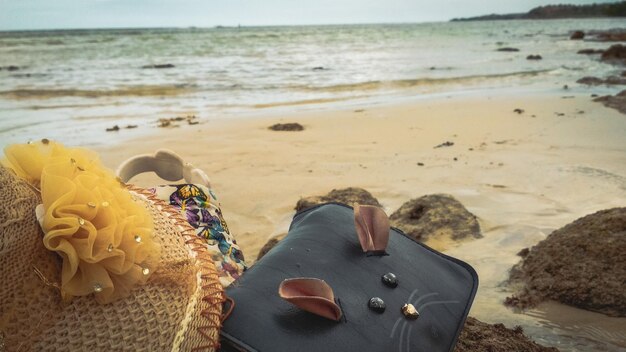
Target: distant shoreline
539 13
549 12
215 28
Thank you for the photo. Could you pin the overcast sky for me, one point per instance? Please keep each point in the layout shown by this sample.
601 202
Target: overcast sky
55 14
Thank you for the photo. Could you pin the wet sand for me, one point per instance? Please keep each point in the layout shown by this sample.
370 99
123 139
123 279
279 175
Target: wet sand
523 174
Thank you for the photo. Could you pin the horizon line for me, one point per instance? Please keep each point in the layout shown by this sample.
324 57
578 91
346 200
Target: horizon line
219 26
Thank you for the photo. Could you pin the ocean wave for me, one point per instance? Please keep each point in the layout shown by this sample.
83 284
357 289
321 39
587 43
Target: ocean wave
30 75
133 91
54 42
182 89
101 40
417 82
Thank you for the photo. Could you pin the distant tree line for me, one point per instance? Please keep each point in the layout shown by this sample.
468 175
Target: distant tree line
617 9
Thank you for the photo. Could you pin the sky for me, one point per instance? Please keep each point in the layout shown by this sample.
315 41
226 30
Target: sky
64 14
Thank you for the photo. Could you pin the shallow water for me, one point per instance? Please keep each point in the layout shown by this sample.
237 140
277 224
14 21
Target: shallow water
580 330
91 77
515 220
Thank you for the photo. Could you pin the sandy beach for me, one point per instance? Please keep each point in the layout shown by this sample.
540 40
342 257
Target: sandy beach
523 174
538 162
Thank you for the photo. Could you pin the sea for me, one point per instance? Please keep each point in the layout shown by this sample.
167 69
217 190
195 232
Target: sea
73 84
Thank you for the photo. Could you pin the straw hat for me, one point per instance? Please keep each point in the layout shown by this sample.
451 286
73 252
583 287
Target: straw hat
177 309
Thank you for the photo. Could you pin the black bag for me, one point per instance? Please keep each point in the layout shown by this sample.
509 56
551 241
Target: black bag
322 243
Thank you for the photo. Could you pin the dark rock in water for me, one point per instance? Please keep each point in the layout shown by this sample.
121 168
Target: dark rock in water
590 51
623 74
319 68
435 215
113 129
533 57
519 111
612 35
617 102
582 264
131 126
164 123
577 35
9 68
169 122
159 66
479 336
420 164
347 196
506 49
591 81
615 80
444 144
294 126
266 247
616 53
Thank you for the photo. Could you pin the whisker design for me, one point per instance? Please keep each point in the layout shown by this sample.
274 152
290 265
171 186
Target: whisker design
412 294
435 302
423 298
393 330
402 335
405 343
408 340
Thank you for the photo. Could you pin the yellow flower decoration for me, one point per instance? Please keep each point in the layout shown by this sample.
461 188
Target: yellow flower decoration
89 218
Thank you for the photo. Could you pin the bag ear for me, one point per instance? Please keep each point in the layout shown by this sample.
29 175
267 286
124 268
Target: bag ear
166 164
372 227
312 295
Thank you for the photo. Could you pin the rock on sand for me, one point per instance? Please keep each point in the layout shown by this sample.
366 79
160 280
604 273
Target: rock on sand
479 336
582 264
293 126
435 215
347 196
617 101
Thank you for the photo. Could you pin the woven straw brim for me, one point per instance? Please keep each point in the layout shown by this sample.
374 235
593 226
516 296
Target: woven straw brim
178 309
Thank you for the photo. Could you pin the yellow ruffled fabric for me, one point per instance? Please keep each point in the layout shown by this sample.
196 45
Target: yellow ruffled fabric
90 219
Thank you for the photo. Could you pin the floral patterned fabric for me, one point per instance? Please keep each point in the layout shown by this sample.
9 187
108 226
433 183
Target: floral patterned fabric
199 206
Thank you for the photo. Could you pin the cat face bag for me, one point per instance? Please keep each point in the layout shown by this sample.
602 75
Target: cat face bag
342 280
